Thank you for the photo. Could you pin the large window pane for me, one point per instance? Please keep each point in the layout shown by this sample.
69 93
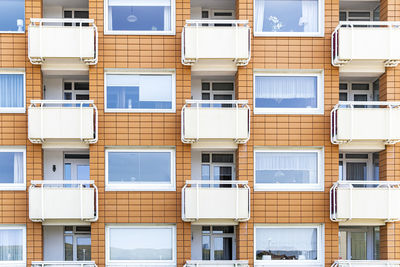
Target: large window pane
11 167
288 16
286 91
139 15
11 89
139 92
11 244
286 244
12 15
138 243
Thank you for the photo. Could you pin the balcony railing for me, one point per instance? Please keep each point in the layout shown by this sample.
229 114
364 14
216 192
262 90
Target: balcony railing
62 120
215 119
365 121
216 39
371 263
63 264
215 200
51 38
63 200
365 200
233 263
366 41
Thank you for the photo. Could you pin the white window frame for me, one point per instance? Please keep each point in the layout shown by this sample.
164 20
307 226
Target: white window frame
321 24
12 186
21 109
16 227
350 92
144 186
110 262
141 72
320 246
319 186
319 110
113 32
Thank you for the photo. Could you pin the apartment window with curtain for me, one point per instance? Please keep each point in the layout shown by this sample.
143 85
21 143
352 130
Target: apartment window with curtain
280 244
153 17
12 245
12 16
12 169
289 92
289 169
288 18
140 169
12 92
152 92
136 244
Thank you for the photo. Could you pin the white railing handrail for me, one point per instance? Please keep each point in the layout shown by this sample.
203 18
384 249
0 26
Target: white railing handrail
63 263
394 183
61 182
233 102
233 263
200 22
209 182
349 263
366 103
60 20
61 102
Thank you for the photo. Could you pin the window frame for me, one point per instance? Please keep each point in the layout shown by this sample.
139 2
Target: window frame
321 25
126 32
19 109
144 186
141 72
25 26
16 227
319 186
320 246
9 186
141 262
319 110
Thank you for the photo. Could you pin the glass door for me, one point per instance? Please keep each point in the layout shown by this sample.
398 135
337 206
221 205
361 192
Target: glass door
218 243
218 167
77 243
76 167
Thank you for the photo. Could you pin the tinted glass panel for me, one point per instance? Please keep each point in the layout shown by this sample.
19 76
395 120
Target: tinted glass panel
223 86
12 15
11 167
81 86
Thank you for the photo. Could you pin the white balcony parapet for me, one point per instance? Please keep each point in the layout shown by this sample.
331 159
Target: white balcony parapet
63 200
71 120
215 119
200 200
50 38
366 40
63 264
216 39
362 263
365 201
200 263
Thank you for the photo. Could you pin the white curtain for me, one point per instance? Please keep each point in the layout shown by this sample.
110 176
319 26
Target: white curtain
18 168
11 90
285 87
11 245
167 18
309 18
259 15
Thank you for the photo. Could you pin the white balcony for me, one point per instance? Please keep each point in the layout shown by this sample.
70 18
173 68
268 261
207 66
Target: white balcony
368 126
63 264
62 123
51 41
217 263
59 201
205 201
217 45
365 202
371 263
365 48
212 123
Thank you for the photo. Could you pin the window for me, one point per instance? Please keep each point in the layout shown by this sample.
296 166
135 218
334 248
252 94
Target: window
134 169
12 169
140 92
12 16
150 244
359 242
140 17
74 90
289 169
289 18
217 243
289 93
13 245
217 90
77 243
284 244
12 92
217 167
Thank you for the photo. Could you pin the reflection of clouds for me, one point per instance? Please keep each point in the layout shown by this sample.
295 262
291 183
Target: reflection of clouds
277 24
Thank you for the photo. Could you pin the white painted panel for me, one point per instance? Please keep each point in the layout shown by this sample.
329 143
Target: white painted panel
50 158
196 88
52 11
367 263
196 165
53 243
54 88
196 244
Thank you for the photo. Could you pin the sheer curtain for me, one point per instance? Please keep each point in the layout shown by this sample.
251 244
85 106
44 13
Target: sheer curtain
309 18
11 245
284 87
167 18
259 8
18 168
11 90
